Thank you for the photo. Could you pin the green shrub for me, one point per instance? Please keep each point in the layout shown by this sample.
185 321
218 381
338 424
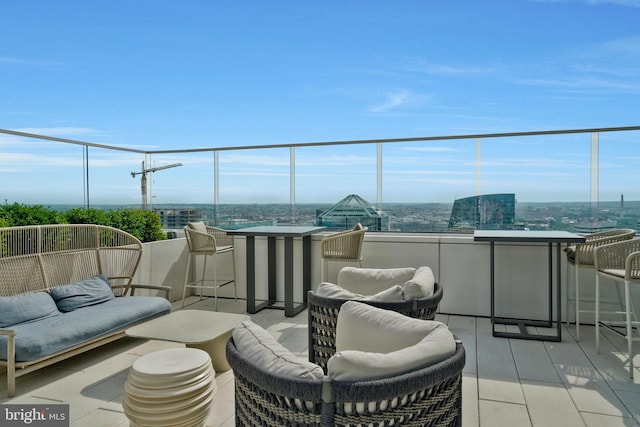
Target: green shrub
18 214
145 225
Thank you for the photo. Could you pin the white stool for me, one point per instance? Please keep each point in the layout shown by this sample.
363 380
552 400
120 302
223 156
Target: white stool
170 388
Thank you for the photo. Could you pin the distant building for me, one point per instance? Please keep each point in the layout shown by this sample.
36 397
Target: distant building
588 227
351 210
484 212
177 218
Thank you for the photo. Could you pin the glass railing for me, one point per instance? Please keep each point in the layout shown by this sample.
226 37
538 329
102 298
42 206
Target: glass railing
581 179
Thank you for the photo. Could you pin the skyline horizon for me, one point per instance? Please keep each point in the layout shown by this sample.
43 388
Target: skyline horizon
165 75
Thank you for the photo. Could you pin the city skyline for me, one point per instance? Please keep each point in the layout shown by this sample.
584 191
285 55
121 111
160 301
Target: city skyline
165 75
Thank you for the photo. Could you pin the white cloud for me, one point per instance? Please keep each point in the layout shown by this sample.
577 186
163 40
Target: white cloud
393 101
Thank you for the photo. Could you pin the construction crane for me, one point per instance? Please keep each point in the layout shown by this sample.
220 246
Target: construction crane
143 181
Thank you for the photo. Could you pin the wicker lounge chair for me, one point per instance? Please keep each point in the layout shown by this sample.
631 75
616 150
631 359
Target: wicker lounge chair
426 396
580 256
323 318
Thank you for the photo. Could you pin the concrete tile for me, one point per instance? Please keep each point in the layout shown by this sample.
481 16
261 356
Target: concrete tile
533 361
502 414
550 404
470 410
600 420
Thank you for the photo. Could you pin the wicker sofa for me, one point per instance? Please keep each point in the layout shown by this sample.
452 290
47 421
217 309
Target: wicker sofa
323 309
58 288
277 388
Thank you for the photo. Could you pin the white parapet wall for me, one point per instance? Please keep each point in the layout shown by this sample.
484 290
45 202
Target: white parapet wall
459 264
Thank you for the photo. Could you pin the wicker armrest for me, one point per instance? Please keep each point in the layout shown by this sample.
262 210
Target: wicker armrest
260 395
131 289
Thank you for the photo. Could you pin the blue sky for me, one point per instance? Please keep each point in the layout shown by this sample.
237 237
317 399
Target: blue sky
172 75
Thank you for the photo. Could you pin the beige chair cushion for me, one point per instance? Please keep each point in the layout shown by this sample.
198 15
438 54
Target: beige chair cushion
262 349
198 226
373 343
370 281
394 293
331 290
420 285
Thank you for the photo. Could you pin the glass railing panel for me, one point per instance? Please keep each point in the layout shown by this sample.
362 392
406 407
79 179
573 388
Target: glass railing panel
548 176
326 176
253 187
619 175
40 172
110 182
421 180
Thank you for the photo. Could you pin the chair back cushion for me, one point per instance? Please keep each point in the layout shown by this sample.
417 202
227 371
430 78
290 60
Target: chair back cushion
262 349
374 343
369 281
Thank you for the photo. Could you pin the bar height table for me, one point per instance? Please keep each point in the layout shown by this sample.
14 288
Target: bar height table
550 237
288 232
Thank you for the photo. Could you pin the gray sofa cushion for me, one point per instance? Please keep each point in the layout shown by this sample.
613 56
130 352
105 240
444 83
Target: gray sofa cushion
15 310
50 335
87 292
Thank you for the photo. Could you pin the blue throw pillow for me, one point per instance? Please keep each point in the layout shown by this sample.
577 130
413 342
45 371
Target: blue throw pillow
91 291
26 308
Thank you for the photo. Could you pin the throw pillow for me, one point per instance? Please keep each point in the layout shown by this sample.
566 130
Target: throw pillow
91 291
369 281
26 308
421 285
263 350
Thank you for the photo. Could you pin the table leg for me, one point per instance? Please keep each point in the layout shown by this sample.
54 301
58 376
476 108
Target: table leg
216 349
559 290
306 267
271 268
251 274
288 277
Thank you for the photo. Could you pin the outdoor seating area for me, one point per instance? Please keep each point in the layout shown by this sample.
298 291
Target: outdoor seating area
454 371
505 382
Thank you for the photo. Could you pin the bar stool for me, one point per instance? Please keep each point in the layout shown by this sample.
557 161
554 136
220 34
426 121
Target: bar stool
619 262
208 241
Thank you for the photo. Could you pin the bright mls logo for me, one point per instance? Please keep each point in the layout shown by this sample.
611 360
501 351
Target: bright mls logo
34 415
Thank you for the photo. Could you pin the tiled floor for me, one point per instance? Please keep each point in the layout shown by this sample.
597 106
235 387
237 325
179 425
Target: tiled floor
507 382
